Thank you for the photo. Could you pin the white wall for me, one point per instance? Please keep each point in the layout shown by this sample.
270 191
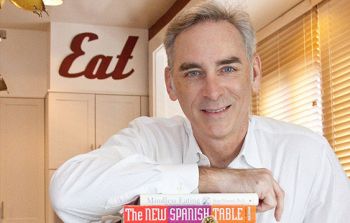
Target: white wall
163 106
286 18
153 45
110 42
24 63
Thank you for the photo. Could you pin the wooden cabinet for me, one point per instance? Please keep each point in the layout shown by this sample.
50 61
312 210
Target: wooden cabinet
22 160
51 217
114 113
79 123
71 126
144 106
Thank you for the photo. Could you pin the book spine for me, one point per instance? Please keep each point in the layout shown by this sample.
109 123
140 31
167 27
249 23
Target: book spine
200 199
190 214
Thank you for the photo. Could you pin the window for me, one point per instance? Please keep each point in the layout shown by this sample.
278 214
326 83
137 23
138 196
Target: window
291 85
335 54
306 75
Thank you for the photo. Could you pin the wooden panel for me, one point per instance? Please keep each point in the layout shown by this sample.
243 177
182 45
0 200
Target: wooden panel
22 160
50 214
144 106
114 113
71 126
166 18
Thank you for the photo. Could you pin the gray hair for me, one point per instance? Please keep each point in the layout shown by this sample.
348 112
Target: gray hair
210 11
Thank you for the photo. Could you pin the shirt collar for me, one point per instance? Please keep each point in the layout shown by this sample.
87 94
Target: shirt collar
193 152
249 149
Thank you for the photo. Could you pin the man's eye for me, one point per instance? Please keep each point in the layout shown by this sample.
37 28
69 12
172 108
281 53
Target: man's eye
228 69
193 74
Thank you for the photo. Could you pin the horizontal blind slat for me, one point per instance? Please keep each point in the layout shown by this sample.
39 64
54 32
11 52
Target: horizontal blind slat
335 63
290 87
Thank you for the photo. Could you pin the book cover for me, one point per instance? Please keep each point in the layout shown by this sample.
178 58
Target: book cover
189 214
200 199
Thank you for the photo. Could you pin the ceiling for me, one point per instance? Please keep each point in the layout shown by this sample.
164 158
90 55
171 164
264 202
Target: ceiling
127 13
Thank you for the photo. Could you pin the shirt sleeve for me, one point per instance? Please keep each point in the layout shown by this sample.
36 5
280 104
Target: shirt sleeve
330 197
90 186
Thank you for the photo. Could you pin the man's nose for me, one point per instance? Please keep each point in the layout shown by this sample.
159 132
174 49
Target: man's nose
212 88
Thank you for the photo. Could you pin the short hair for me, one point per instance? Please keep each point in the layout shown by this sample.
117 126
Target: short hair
211 11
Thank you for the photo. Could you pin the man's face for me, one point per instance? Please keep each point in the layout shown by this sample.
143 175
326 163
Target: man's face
211 76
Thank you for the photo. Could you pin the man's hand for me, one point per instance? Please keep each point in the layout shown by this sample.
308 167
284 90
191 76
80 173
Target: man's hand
258 181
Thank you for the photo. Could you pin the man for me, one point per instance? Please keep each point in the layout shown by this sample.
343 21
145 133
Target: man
213 68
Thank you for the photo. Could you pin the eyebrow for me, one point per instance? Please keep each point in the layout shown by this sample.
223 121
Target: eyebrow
230 60
188 66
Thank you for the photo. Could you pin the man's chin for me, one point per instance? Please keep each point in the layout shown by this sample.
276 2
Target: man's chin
216 131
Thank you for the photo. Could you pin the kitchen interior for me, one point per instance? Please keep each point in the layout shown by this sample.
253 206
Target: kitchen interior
73 73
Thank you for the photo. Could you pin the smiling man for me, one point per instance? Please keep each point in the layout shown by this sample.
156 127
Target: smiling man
213 70
210 76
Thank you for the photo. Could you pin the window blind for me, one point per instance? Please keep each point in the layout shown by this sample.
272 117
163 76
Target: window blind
335 53
291 86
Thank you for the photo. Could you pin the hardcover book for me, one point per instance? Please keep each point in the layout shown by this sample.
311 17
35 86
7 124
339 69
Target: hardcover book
189 214
200 199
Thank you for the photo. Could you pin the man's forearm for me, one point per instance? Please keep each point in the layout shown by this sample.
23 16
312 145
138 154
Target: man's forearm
259 181
215 180
90 186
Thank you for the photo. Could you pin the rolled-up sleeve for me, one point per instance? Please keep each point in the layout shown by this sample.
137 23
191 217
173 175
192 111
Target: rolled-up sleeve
90 186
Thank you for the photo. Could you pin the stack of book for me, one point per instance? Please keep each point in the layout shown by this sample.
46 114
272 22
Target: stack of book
193 208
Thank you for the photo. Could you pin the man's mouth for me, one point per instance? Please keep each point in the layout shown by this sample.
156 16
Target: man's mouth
216 110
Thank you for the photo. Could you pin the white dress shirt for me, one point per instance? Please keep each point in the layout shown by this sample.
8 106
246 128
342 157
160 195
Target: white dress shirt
156 155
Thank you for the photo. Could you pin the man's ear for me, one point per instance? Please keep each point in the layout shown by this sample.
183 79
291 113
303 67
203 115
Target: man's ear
256 74
169 83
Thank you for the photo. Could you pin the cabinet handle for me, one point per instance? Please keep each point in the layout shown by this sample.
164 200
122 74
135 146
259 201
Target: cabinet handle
2 210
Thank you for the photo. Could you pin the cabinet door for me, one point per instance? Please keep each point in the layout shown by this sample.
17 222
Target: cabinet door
22 160
144 106
114 113
71 126
51 216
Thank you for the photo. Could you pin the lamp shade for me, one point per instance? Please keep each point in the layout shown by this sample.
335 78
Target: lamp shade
3 86
53 2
